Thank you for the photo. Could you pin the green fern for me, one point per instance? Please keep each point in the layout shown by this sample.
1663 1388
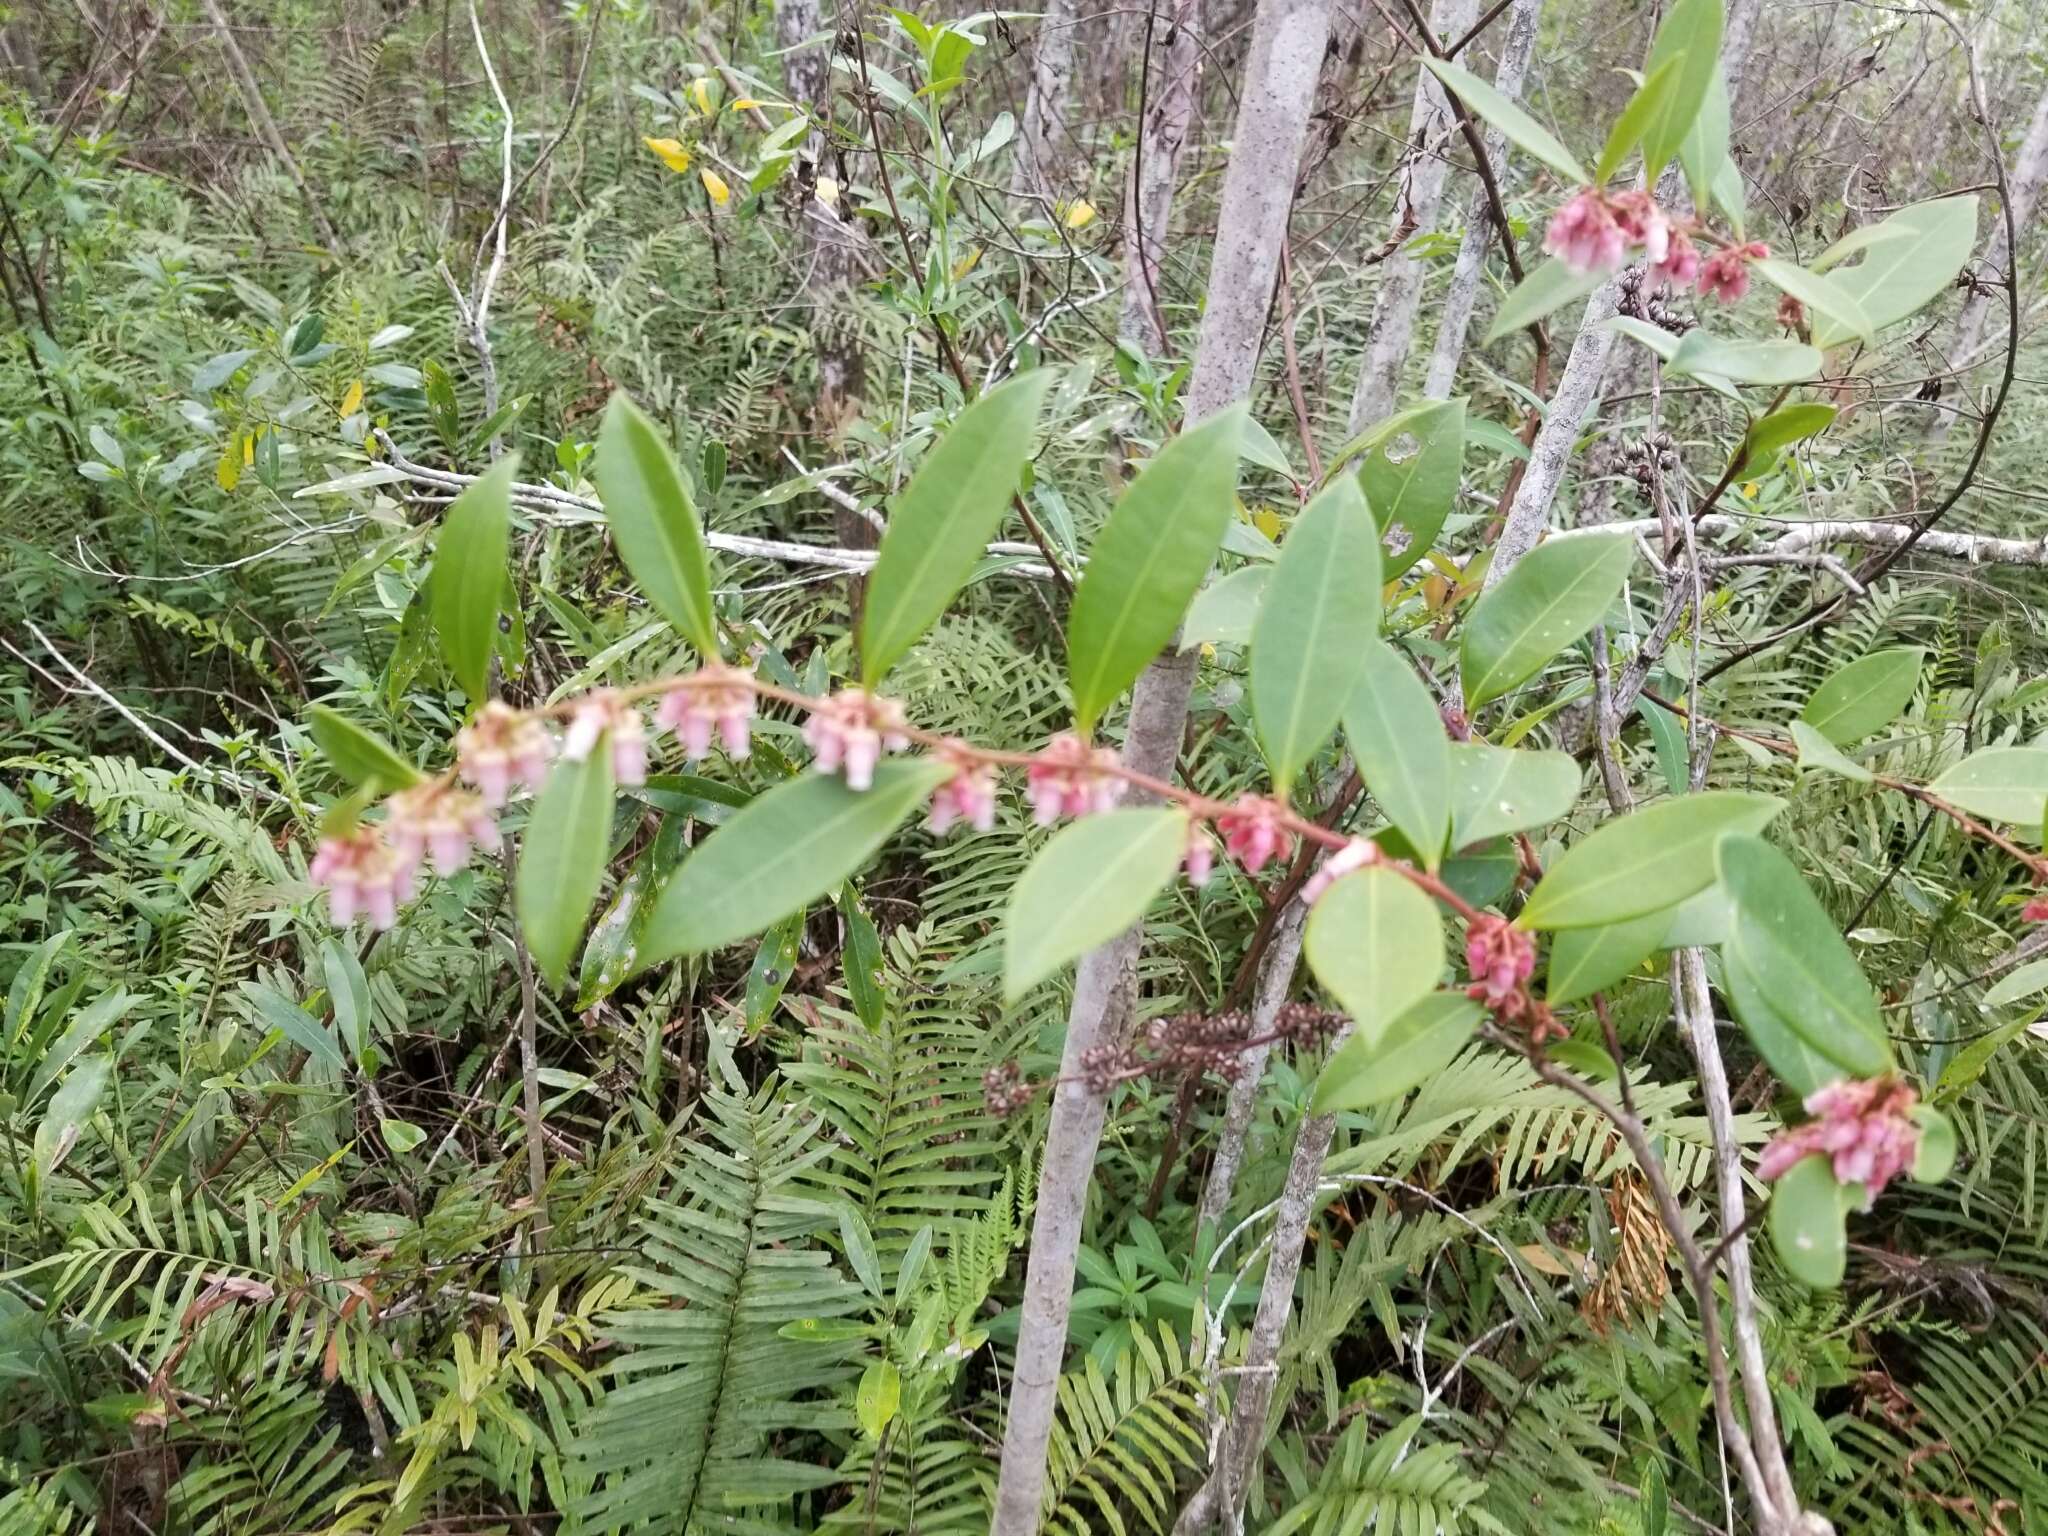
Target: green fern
1122 1438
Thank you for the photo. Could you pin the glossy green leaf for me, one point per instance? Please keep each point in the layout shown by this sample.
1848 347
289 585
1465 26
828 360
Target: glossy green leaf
298 1026
1496 791
359 755
1561 589
401 1136
1704 150
1224 611
1688 44
1790 946
1800 1067
1654 337
653 519
1764 445
768 976
611 953
877 1398
1320 613
1377 943
1653 858
940 527
1898 275
1585 960
861 957
70 1107
1999 784
1410 472
1411 1050
1396 735
784 850
1703 356
1148 560
561 861
2023 982
1550 287
1509 116
1825 299
1806 1222
1091 882
348 994
1935 1157
1819 755
468 578
1648 102
1864 696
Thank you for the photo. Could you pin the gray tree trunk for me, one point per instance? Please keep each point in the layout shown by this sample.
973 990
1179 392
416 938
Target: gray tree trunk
1043 141
1431 127
1173 79
1288 40
1455 316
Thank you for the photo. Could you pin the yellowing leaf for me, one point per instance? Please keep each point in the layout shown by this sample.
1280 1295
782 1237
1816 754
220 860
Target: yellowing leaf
249 446
228 473
715 185
700 92
352 401
1749 491
828 191
671 153
966 264
744 104
1079 214
1267 521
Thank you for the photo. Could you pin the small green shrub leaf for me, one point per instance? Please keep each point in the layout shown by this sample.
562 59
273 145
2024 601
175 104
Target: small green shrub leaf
1409 471
1561 589
1397 737
1999 784
1498 790
561 862
1089 883
1377 943
1642 862
1509 116
1864 696
653 519
1409 1052
359 754
468 578
1806 1221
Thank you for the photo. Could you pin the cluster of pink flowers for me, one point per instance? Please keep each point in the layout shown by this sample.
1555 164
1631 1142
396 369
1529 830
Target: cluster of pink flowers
969 796
849 732
437 821
371 868
1253 833
364 874
1501 959
1070 778
501 748
1595 229
605 714
1353 856
1198 860
1865 1129
715 702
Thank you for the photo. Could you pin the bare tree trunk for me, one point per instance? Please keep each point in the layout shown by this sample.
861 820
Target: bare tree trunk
2029 172
259 115
1455 314
1173 66
1244 1436
1288 40
1431 126
1579 386
1043 141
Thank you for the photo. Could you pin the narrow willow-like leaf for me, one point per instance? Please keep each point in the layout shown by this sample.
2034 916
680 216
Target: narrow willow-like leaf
1648 102
1561 589
1410 471
1635 864
1496 790
1092 881
1377 943
1819 293
1806 1223
1789 945
1509 116
1999 784
1688 44
561 862
1819 755
1769 436
1703 356
358 754
1397 737
783 850
1409 1052
653 519
468 578
1898 275
1864 696
1551 286
1321 613
1148 560
941 525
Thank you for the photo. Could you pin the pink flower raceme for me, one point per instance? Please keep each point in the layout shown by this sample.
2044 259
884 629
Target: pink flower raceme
715 701
1679 266
439 822
1501 959
851 730
606 714
1199 858
969 796
1642 223
2035 911
1068 778
1865 1130
1725 274
363 874
1353 856
1253 833
1585 235
500 748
